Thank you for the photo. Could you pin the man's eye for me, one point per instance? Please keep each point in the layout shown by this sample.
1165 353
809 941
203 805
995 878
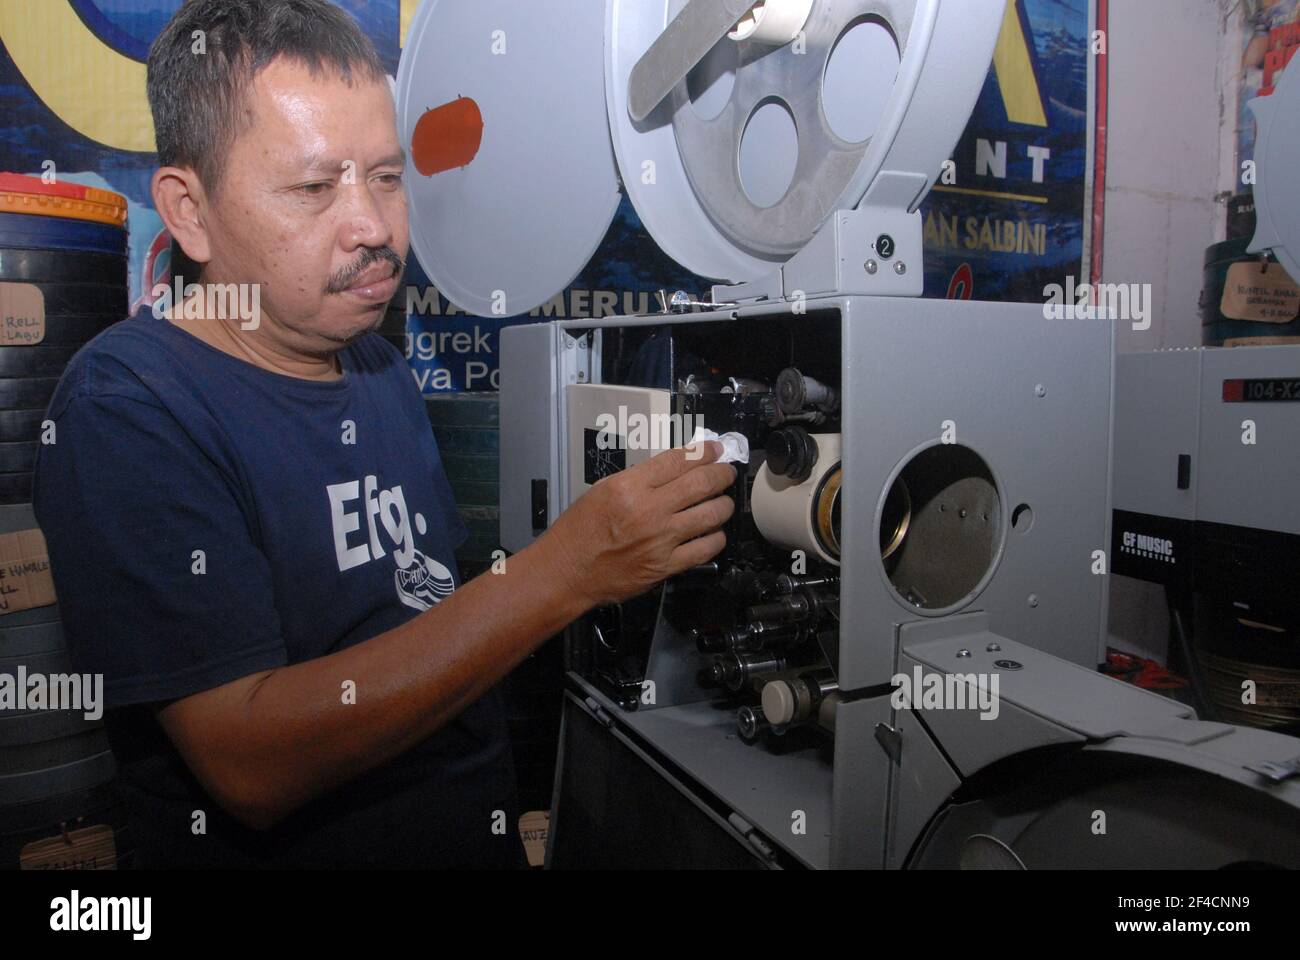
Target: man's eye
390 179
314 189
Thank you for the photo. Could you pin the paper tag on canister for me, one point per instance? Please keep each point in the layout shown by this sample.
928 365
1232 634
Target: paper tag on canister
534 827
87 848
25 578
1266 295
22 315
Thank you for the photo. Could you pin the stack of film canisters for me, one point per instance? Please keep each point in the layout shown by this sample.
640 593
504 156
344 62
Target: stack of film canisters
58 806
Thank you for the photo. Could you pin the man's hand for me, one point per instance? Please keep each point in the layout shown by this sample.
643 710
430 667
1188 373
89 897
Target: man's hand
644 525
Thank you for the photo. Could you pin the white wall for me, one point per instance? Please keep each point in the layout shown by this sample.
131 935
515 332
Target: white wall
1170 158
1165 158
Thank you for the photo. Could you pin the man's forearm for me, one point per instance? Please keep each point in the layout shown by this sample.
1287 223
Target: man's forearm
296 732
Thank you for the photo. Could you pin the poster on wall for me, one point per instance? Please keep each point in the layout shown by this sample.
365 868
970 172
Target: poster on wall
1271 37
1009 219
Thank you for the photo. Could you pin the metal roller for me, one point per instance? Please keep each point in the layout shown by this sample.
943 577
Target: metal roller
803 514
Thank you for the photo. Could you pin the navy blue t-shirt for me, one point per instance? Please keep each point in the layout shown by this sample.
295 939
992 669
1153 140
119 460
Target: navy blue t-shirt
207 519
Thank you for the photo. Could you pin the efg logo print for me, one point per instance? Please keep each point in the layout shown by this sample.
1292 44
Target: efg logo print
421 581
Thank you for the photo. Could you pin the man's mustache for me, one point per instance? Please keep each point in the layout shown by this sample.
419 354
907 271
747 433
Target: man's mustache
348 275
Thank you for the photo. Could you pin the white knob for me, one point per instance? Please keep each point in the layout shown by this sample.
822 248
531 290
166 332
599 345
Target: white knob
778 702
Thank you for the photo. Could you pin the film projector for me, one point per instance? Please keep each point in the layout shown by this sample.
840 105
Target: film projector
894 661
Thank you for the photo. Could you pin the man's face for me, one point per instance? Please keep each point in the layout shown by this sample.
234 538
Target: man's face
311 206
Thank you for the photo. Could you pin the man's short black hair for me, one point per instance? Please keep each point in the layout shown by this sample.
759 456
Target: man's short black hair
202 64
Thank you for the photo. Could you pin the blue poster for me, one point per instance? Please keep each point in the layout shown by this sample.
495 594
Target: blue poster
1011 222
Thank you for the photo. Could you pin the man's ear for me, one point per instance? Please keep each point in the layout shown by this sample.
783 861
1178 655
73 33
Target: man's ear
179 198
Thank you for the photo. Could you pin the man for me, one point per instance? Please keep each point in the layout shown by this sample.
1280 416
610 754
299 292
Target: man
249 526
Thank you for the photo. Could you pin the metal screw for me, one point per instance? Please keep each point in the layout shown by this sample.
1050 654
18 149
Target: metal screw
1040 391
900 268
1008 664
963 652
871 267
962 514
1033 599
993 647
568 344
582 376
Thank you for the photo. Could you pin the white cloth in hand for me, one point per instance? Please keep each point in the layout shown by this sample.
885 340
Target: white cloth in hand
735 446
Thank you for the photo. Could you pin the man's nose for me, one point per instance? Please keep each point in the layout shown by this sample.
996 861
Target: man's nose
366 224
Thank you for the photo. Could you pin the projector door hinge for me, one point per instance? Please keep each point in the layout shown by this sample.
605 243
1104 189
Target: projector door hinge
597 711
754 838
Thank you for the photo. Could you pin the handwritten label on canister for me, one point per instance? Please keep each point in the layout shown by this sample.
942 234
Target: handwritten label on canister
87 848
22 315
534 827
1261 293
25 579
